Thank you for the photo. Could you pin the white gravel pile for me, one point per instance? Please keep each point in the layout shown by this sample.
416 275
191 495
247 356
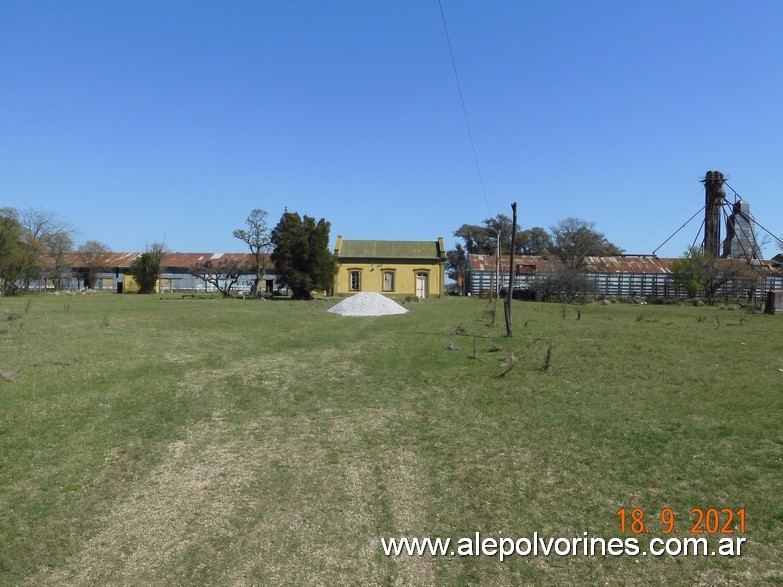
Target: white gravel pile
367 304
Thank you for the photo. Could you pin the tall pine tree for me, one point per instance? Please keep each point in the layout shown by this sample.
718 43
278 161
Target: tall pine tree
301 255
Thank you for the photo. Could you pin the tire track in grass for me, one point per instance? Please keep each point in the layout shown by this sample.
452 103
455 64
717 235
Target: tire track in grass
192 494
407 491
316 526
276 496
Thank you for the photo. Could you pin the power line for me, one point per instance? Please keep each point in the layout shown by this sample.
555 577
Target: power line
737 196
750 239
755 253
693 244
464 110
777 238
679 229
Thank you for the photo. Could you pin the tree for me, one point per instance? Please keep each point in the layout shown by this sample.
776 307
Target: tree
39 223
44 242
699 272
256 237
482 240
28 260
223 273
57 245
476 239
565 285
573 240
457 266
145 269
10 250
501 225
534 241
301 254
93 257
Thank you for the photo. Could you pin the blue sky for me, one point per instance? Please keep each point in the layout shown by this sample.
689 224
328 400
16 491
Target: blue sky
143 121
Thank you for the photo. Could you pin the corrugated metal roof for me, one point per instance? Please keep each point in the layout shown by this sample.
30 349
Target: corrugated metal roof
528 264
628 264
190 259
547 263
389 249
170 260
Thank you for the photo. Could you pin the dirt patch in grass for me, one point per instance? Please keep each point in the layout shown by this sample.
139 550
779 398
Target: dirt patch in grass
268 501
192 495
277 371
407 489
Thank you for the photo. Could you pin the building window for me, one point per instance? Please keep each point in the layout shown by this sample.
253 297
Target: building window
388 281
356 280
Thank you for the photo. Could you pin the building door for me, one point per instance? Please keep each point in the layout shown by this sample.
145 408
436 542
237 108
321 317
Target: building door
421 285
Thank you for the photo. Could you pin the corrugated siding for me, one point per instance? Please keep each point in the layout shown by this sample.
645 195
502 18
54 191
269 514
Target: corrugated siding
613 276
174 275
178 280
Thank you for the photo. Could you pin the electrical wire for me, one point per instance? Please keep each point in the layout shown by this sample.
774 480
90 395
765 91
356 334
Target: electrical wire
736 195
698 233
464 109
777 238
780 242
750 240
699 211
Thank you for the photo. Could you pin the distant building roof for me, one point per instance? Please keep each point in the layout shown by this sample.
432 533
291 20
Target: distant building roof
529 264
548 263
170 260
376 249
487 262
629 264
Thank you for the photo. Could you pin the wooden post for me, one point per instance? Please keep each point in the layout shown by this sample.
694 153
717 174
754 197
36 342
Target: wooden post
497 266
510 292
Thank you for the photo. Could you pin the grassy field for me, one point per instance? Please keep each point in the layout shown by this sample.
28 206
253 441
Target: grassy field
168 441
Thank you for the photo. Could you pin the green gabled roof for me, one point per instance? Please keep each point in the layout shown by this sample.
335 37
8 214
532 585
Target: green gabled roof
389 249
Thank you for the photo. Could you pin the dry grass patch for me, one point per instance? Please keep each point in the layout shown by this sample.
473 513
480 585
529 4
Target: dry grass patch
408 496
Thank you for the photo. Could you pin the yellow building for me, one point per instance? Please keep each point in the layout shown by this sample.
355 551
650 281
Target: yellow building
403 268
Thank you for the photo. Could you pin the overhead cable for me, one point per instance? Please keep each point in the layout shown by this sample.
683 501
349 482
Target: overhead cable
464 109
699 211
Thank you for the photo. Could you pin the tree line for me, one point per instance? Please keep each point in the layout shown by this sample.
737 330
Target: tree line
36 246
570 240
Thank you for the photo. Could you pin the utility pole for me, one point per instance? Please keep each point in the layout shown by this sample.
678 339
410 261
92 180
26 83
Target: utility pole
497 266
509 293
